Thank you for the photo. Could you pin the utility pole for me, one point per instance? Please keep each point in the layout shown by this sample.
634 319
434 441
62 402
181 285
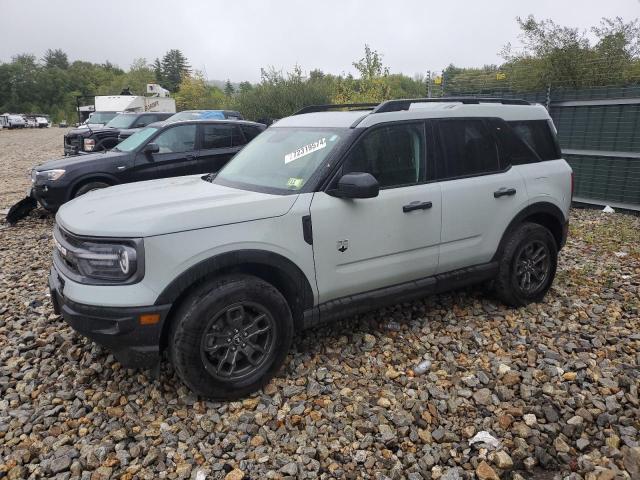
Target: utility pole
429 84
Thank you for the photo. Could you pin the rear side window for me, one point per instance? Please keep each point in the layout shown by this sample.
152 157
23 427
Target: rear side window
217 136
513 150
394 155
538 135
250 132
467 148
237 137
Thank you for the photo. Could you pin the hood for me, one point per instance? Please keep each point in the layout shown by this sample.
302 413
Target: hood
78 159
167 205
83 130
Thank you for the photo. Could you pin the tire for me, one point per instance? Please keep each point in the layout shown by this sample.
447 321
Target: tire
530 251
88 187
209 330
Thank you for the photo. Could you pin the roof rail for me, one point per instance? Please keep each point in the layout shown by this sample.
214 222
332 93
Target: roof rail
324 108
404 104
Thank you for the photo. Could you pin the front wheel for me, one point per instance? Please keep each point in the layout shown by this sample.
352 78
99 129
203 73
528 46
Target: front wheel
528 265
230 336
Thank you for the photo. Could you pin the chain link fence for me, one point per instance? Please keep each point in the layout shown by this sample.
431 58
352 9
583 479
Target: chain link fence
598 128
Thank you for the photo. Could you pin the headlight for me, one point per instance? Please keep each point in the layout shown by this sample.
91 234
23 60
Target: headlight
89 144
104 261
50 175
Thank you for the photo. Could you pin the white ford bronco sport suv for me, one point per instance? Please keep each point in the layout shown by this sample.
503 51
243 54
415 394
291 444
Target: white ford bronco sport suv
328 213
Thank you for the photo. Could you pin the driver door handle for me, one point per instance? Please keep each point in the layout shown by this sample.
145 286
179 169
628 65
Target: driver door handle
503 192
190 157
417 206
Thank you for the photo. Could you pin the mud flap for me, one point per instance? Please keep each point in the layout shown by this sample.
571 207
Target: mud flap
21 209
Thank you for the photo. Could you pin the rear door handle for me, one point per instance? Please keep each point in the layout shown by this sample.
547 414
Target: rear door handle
503 192
417 206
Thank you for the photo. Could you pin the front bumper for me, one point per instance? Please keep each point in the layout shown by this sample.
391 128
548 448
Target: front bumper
50 197
117 328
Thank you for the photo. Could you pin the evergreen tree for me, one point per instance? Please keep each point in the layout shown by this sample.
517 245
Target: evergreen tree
175 68
228 89
157 70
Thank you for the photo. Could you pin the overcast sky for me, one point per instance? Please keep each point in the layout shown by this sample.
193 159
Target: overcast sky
234 38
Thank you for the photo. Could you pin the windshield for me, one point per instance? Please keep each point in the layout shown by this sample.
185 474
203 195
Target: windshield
121 121
135 140
281 158
196 114
101 117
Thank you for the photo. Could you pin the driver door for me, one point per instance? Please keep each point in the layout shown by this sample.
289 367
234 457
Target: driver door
176 155
361 245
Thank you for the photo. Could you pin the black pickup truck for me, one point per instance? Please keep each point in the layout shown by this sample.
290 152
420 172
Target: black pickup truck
89 140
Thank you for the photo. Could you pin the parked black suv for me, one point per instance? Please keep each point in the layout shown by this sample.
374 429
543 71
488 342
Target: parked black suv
160 150
89 140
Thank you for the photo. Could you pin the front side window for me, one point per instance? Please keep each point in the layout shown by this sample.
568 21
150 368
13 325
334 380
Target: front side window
101 117
121 121
177 139
136 140
145 120
466 148
394 155
281 159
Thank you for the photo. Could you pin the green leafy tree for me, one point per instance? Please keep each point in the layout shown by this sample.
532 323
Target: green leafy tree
244 87
55 59
372 86
194 93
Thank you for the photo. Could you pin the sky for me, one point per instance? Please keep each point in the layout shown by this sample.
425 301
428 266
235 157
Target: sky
233 39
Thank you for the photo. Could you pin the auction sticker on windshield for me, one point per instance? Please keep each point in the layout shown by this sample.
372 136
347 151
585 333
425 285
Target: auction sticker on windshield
306 150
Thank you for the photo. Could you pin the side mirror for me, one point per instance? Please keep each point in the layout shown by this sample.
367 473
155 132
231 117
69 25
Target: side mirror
357 185
151 148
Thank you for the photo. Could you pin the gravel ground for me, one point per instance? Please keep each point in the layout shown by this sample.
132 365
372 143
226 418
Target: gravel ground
555 384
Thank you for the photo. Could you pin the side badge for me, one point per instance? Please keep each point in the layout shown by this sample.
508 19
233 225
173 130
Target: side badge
342 245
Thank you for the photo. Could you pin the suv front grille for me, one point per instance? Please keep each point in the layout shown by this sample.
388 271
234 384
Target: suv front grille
64 242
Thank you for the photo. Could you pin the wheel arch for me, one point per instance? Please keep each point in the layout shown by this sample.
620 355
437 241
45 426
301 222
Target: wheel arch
271 267
90 177
543 213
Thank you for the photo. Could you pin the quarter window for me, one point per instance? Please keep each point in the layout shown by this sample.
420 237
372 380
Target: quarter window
177 139
394 155
466 148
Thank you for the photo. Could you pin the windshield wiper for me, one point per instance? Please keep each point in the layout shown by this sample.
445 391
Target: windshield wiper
209 177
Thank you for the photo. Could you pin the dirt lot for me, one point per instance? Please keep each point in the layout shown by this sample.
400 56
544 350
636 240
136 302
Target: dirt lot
555 383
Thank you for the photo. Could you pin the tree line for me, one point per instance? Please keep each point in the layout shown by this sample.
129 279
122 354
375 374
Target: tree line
549 55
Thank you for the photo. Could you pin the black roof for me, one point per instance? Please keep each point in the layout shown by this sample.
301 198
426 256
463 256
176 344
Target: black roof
207 121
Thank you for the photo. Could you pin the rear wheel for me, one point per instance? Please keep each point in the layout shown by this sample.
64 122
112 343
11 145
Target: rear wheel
528 265
89 187
230 336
